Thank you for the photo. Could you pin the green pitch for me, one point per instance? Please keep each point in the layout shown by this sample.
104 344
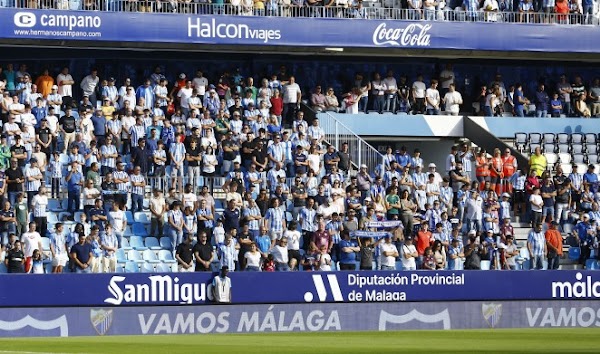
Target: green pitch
431 342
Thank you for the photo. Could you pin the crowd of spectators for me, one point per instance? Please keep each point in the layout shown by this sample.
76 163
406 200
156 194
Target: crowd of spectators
290 200
529 11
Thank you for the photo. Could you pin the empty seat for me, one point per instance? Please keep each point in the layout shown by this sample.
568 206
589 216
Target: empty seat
52 217
137 243
549 138
564 148
533 147
128 232
152 243
535 138
129 217
166 256
551 159
520 141
166 244
564 157
125 244
574 253
591 148
150 256
141 217
549 147
578 158
55 205
562 138
577 138
134 255
78 216
591 138
576 148
148 268
567 168
121 258
132 267
581 168
592 158
139 230
163 268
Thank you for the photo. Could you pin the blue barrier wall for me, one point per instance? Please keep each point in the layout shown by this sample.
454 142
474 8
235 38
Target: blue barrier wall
297 287
250 30
64 322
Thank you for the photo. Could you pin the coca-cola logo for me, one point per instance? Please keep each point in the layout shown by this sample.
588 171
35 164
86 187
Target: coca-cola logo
413 35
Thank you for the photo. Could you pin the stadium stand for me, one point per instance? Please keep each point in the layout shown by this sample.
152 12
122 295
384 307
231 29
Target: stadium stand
201 173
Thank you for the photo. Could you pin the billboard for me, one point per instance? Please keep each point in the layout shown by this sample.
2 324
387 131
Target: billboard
146 289
281 31
103 321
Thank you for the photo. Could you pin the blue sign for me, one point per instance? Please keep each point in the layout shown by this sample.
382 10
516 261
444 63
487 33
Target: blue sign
296 287
279 31
332 317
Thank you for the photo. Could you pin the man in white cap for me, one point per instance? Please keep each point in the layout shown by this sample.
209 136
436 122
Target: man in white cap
437 177
54 99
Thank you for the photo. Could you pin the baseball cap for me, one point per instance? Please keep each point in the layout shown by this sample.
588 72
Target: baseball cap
363 166
432 165
182 76
472 232
54 87
505 195
587 216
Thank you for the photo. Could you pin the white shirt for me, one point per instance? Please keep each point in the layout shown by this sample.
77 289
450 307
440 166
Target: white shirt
88 85
473 208
419 88
280 254
293 238
222 289
453 101
390 83
447 73
538 200
39 206
389 261
200 84
189 199
434 98
31 241
410 262
64 90
290 93
117 220
252 259
184 95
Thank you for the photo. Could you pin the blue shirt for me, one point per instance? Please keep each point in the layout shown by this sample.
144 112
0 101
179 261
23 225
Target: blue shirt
73 183
264 243
516 101
582 231
346 257
99 123
537 242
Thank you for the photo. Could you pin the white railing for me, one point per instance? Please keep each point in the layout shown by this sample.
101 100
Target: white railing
361 152
281 8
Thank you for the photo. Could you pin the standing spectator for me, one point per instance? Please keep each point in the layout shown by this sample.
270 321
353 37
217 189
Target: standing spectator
39 206
158 208
537 203
227 250
15 259
65 83
542 101
203 253
74 184
585 233
432 97
548 192
118 221
409 254
138 186
33 178
388 252
109 244
348 251
89 86
175 219
554 242
31 241
536 244
58 248
292 96
221 286
81 254
185 255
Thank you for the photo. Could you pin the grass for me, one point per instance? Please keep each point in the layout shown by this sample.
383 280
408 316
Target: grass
551 340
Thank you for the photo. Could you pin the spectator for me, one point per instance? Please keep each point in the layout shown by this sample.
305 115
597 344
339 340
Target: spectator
536 244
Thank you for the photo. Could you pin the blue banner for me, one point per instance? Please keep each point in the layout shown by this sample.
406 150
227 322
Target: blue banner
297 287
280 31
147 320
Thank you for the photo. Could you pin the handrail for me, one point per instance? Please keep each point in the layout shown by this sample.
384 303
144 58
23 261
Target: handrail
285 8
361 152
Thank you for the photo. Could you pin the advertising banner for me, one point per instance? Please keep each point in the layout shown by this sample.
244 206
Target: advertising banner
281 31
119 290
104 321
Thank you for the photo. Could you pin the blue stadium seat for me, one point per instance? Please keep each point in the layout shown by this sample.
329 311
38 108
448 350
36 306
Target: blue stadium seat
574 253
132 267
128 232
129 217
134 255
485 265
163 268
125 244
591 264
150 256
147 268
78 216
52 218
166 256
45 244
142 218
139 230
121 257
137 243
166 244
152 243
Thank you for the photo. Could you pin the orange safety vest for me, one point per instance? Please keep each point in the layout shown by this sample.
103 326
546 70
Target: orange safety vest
497 164
508 166
484 167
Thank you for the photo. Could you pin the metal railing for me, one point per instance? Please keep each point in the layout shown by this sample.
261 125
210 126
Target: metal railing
361 152
368 10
